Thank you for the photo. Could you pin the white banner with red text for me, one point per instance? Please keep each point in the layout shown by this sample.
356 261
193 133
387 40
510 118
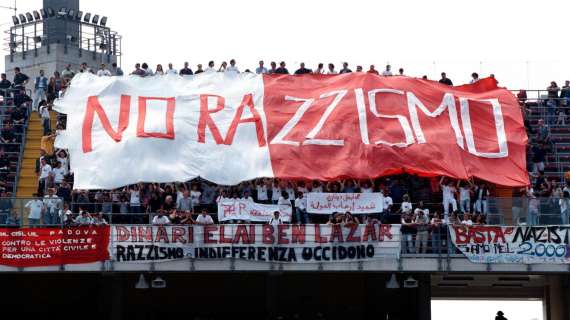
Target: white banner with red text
284 243
519 244
228 128
355 203
246 210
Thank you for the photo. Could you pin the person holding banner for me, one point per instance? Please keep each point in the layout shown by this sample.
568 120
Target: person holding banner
276 219
284 203
204 218
448 197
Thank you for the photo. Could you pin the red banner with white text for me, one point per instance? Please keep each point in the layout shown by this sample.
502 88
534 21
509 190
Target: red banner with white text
228 127
33 247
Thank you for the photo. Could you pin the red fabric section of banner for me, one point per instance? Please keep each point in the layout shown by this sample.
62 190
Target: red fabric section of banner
32 247
361 125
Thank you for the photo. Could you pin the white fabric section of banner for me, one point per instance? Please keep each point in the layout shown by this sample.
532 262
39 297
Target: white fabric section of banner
138 159
356 203
247 210
264 243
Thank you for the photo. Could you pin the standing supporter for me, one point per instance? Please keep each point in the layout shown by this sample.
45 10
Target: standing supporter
445 80
58 174
103 71
171 70
160 218
437 230
138 71
195 195
467 219
565 93
116 70
199 69
564 204
5 85
20 79
301 209
401 72
284 203
538 158
56 84
273 66
408 230
303 70
261 69
276 219
211 67
147 70
275 191
464 196
52 205
36 207
331 69
40 88
406 206
232 67
448 197
6 207
422 226
387 206
186 71
44 172
159 71
481 198
474 77
372 70
345 68
388 71
67 74
320 69
262 191
223 67
84 218
46 118
282 69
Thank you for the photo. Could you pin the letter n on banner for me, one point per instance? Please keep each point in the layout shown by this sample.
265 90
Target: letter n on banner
93 106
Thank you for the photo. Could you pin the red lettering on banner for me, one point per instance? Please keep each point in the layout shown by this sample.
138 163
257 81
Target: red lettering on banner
94 107
353 227
318 237
144 233
268 237
385 231
206 120
170 105
178 234
256 119
208 233
281 235
252 234
190 234
369 231
161 235
122 233
478 234
241 235
298 232
336 233
223 238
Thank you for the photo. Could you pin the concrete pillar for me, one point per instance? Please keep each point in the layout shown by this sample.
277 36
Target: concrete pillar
556 296
424 297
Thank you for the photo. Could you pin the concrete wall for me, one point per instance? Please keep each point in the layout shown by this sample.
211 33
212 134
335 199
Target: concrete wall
54 57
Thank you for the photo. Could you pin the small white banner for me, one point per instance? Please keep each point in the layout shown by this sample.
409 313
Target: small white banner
240 209
356 203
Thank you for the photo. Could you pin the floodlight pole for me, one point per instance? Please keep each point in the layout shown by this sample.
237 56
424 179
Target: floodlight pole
11 8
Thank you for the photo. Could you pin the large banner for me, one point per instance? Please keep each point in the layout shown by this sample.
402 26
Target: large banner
286 243
228 127
240 209
521 244
356 203
32 247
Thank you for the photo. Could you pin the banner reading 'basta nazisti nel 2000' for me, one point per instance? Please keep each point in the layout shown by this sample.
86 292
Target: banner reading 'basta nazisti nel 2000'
229 127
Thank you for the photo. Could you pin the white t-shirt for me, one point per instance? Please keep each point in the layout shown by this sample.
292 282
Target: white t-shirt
386 73
204 219
36 207
366 190
406 207
301 203
160 220
564 203
135 198
45 171
171 71
467 222
195 196
44 113
64 165
317 189
232 69
276 193
261 193
284 204
464 193
291 193
448 192
249 198
52 202
275 222
104 72
426 211
58 174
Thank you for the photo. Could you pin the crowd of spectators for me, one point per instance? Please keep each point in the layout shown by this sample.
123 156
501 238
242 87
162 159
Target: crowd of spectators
419 203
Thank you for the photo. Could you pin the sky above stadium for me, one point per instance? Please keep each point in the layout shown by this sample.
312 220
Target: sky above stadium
522 42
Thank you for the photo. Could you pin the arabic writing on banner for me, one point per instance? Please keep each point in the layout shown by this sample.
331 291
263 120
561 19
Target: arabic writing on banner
327 203
32 247
520 244
264 243
240 209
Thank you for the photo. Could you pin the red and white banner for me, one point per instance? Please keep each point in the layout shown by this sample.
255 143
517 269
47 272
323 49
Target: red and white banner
228 127
32 247
240 209
355 203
